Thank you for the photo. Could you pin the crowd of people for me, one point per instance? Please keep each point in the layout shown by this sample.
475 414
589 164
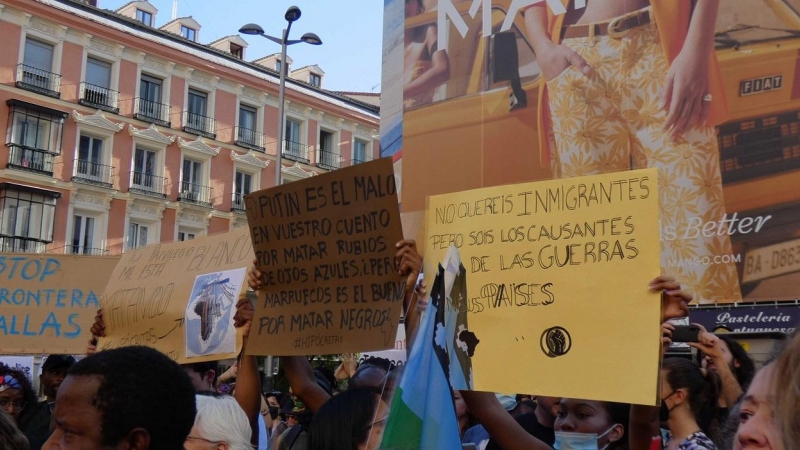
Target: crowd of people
137 398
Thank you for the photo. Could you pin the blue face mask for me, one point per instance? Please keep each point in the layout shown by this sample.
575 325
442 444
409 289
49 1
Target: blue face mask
579 441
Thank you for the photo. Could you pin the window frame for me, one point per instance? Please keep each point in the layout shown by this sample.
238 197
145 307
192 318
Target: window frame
48 201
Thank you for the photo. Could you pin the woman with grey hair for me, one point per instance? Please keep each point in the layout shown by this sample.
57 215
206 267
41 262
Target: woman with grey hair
220 424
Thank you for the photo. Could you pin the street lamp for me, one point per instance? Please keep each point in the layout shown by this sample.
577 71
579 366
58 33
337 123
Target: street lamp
292 14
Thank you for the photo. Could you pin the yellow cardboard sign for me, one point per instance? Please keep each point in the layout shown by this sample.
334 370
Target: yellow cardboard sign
179 298
556 297
48 302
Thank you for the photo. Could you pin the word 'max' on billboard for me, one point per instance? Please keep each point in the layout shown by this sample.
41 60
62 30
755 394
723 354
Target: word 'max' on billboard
507 91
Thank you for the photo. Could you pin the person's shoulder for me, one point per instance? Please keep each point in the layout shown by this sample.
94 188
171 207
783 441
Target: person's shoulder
698 441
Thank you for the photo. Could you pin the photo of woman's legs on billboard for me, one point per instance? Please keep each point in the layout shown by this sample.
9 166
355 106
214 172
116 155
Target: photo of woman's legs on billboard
609 117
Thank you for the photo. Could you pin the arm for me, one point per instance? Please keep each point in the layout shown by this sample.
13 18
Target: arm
552 58
644 421
709 345
302 381
98 330
409 263
439 71
688 81
502 427
248 381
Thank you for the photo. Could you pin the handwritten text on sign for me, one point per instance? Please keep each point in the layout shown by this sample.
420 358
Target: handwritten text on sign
549 266
326 247
49 301
145 301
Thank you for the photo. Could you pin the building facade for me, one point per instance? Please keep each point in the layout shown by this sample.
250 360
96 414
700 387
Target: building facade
120 134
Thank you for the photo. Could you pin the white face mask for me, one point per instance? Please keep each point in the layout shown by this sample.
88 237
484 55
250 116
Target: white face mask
579 441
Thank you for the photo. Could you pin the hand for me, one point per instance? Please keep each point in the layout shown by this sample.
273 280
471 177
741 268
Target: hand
409 262
558 58
709 345
99 326
686 84
244 316
254 276
230 373
674 301
666 337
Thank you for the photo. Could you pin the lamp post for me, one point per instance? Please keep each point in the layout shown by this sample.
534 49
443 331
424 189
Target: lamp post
292 14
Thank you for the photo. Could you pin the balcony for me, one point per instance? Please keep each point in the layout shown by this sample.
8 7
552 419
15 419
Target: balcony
146 184
295 151
195 194
38 80
80 250
248 138
151 112
329 160
21 245
198 124
93 173
238 202
99 97
30 160
358 159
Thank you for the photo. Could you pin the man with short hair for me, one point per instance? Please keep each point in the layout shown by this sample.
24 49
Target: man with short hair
54 370
132 397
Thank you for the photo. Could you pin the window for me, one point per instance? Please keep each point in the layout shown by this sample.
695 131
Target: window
150 89
144 170
144 17
359 151
36 71
33 136
293 148
89 165
237 51
292 131
315 80
243 184
26 218
247 117
138 235
98 73
96 89
278 66
247 133
198 103
150 108
83 235
184 235
196 120
328 155
188 33
191 178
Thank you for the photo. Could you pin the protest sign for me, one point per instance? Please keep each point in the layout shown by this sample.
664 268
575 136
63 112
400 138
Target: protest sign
552 275
396 355
179 298
48 302
326 248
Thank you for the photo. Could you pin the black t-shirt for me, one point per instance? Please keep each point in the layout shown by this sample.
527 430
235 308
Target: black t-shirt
531 424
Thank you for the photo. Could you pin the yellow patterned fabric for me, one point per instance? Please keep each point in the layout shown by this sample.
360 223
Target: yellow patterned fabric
611 120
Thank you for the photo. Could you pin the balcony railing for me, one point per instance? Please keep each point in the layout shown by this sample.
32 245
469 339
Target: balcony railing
38 80
329 160
80 250
152 112
295 151
198 124
144 183
93 173
238 202
30 160
21 245
195 193
360 159
99 97
248 138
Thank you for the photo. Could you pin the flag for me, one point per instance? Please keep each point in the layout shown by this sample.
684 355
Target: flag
423 414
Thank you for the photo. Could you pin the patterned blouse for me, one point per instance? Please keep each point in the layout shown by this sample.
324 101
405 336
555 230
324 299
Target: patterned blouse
695 441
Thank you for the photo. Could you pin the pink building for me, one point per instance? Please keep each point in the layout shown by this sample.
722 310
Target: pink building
120 134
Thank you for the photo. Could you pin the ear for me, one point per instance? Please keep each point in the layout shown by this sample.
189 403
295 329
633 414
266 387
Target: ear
616 433
138 439
210 375
680 396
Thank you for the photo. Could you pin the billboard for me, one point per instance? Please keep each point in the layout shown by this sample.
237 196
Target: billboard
497 92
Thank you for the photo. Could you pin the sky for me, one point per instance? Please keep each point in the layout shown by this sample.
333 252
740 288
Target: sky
351 33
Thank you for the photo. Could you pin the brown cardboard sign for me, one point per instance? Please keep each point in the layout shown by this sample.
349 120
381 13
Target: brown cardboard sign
48 302
325 246
179 298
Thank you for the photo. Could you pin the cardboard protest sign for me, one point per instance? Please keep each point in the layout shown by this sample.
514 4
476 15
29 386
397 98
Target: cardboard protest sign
326 248
48 302
552 275
179 298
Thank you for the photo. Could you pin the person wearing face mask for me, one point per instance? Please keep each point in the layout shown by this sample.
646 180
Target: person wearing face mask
685 395
591 425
